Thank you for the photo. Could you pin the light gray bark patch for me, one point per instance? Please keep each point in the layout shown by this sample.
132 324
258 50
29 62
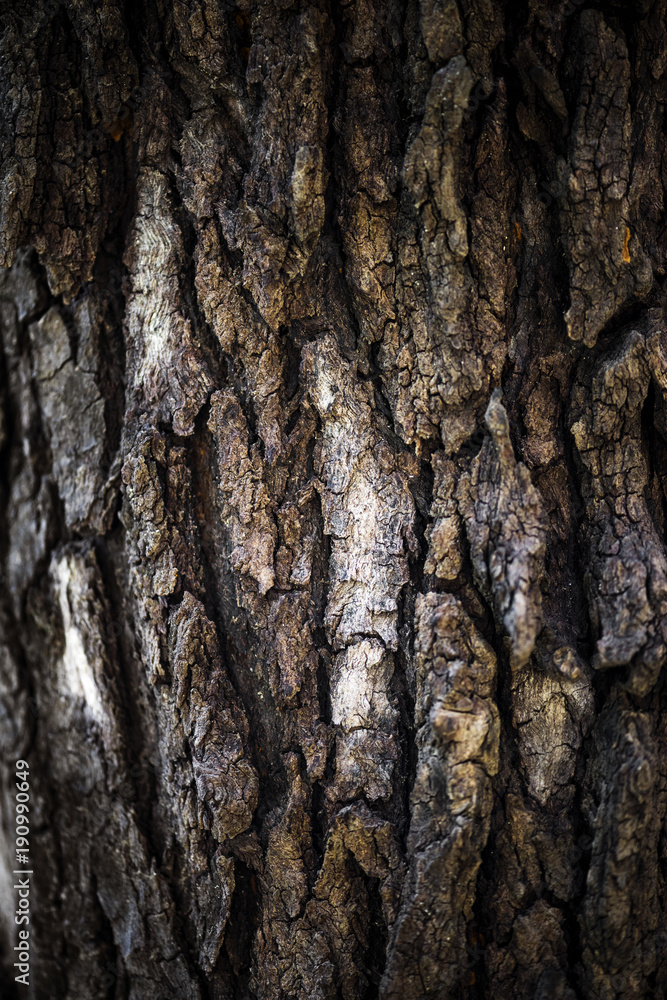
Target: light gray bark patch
167 373
507 529
366 748
368 511
366 503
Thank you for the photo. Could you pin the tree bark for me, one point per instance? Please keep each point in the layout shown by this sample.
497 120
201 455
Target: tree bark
333 430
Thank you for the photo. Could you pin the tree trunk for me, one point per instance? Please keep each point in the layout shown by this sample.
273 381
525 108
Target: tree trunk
333 387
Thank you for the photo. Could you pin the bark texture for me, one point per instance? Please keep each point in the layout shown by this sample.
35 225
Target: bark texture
333 450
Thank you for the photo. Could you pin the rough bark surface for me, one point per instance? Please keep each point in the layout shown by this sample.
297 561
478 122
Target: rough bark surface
333 450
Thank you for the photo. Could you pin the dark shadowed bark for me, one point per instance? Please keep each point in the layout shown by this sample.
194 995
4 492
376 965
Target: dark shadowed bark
333 454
